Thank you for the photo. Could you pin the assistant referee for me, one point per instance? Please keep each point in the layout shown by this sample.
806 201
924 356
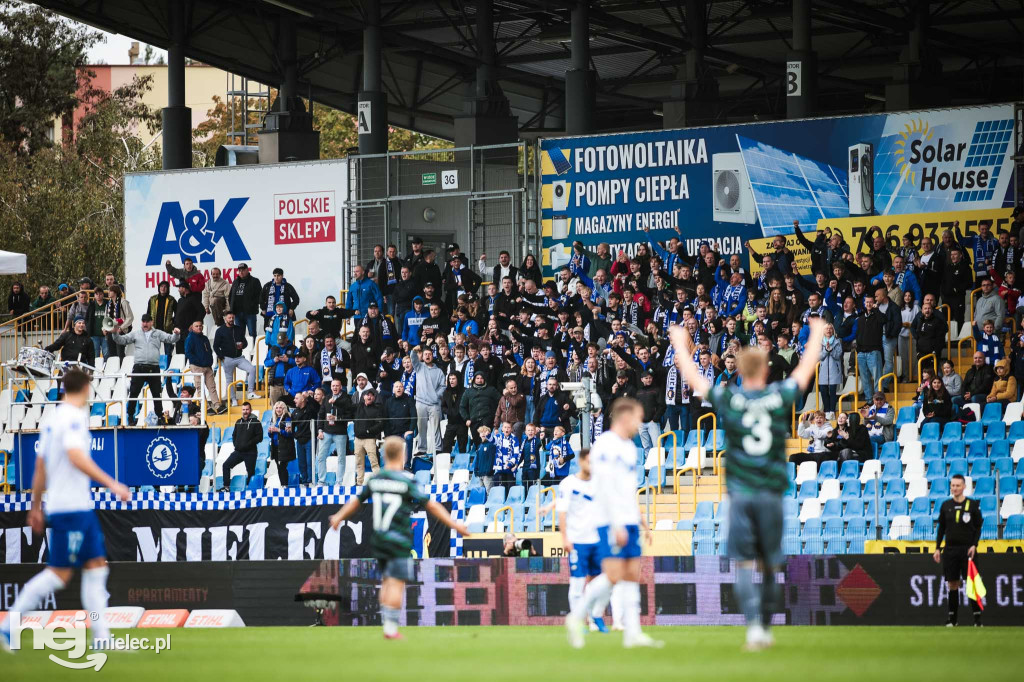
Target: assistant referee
960 525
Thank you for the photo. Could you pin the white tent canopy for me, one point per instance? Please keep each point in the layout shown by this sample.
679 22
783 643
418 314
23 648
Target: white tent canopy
12 263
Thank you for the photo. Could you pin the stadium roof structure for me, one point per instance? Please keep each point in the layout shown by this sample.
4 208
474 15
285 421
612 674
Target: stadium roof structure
638 48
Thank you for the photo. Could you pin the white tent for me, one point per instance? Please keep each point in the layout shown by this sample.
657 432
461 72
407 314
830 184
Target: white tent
12 263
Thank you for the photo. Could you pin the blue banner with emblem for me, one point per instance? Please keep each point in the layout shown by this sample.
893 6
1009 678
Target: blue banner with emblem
134 457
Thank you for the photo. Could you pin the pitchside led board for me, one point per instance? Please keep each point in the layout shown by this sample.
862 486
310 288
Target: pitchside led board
280 215
734 183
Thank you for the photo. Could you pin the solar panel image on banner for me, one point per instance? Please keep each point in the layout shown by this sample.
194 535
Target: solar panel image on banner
789 187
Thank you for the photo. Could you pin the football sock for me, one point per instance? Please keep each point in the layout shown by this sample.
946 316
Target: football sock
617 604
94 599
631 608
748 595
953 602
771 595
596 593
576 587
389 618
975 609
34 592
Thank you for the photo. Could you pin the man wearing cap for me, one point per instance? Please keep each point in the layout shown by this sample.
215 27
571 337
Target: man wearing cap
75 343
432 294
280 360
146 370
382 330
361 292
415 254
458 279
244 299
299 379
80 308
427 270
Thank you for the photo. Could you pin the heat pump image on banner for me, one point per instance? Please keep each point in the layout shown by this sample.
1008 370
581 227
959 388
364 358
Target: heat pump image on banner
559 196
862 179
733 199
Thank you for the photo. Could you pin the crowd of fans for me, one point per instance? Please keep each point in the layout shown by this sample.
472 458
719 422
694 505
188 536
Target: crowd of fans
426 340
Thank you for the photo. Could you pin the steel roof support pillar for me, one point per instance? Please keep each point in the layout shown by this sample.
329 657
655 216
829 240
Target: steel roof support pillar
801 65
694 96
177 118
580 79
917 76
487 117
371 111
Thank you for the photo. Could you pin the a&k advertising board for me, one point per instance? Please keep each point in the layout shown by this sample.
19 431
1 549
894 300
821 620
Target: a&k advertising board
287 215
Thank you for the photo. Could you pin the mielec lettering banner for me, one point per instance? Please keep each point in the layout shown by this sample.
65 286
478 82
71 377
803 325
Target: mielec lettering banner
729 184
282 215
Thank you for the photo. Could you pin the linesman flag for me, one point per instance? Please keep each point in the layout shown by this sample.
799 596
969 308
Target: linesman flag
975 588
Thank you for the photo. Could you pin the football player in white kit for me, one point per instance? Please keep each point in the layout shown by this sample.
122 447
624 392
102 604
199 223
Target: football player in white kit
618 521
579 534
65 469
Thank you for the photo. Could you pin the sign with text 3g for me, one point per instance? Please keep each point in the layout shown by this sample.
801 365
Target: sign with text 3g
449 179
304 217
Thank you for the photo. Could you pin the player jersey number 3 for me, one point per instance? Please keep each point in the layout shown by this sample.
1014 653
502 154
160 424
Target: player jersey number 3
759 441
385 506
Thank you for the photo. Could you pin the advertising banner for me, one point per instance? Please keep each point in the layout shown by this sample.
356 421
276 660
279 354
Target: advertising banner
285 215
135 457
729 184
928 547
674 590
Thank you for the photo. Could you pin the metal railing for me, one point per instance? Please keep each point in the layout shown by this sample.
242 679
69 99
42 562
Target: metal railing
676 475
974 293
960 346
648 490
37 327
540 517
661 447
714 440
511 526
949 331
920 363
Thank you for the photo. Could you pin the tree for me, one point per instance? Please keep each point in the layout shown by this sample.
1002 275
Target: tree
41 60
338 135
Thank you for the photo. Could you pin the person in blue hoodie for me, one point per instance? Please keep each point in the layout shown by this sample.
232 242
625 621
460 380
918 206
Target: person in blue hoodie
361 291
507 455
280 323
486 452
199 355
413 321
280 359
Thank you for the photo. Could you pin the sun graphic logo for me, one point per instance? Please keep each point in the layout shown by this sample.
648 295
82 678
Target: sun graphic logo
914 134
162 457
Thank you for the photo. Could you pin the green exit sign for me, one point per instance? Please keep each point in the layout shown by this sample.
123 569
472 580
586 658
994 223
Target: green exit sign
430 178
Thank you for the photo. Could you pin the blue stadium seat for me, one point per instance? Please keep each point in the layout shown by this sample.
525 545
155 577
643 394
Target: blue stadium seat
531 495
237 483
791 545
641 475
655 475
996 430
992 414
850 471
1002 466
218 482
854 508
892 470
229 432
684 524
460 461
856 525
835 545
496 495
980 467
930 433
983 484
952 431
791 470
1007 486
423 478
833 509
956 450
833 528
332 478
932 451
1016 431
261 466
704 530
850 491
722 512
856 545
256 483
935 468
894 488
869 489
890 450
1000 449
956 466
1014 529
827 469
923 528
974 431
989 528
898 506
939 486
705 511
814 546
477 527
989 504
811 529
920 505
790 507
208 468
808 489
977 449
476 496
1020 469
516 494
906 415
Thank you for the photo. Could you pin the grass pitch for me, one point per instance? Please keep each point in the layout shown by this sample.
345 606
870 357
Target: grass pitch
497 654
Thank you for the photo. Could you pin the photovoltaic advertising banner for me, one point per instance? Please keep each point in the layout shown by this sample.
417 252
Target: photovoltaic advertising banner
729 184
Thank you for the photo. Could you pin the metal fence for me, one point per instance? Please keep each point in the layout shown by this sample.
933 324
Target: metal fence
479 197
